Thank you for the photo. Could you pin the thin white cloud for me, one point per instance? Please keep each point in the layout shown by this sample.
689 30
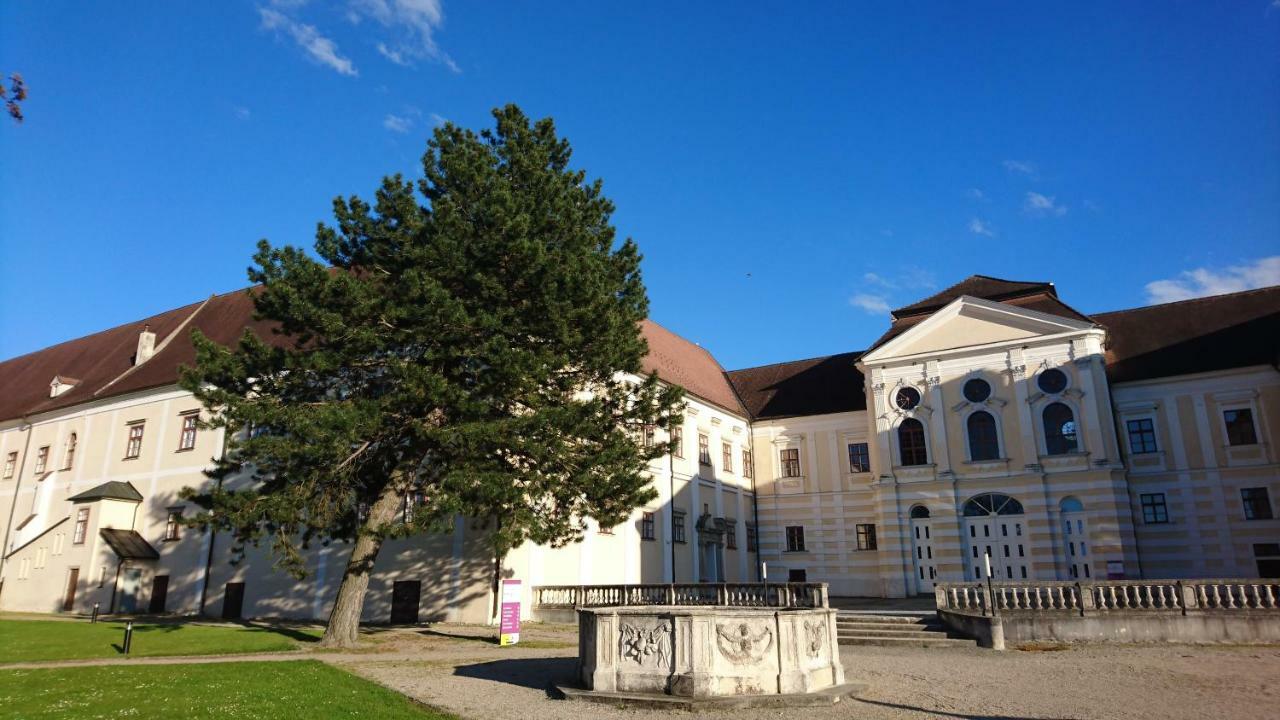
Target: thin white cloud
437 120
875 279
394 56
1201 282
976 194
317 46
414 24
1038 204
397 124
1021 167
241 112
873 304
978 227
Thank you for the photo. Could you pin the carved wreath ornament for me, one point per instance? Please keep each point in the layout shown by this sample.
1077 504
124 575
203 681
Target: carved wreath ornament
739 645
646 646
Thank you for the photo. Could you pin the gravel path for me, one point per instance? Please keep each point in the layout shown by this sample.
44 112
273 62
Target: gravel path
1088 681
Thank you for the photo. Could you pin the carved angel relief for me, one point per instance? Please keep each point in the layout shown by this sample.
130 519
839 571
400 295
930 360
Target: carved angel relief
646 646
814 632
740 645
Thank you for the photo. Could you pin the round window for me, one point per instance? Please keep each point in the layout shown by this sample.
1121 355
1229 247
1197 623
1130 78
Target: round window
907 398
977 390
1052 381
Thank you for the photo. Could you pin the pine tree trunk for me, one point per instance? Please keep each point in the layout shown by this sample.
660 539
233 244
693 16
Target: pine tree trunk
343 630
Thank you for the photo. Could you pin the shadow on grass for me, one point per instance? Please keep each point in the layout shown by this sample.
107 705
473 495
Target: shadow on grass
535 673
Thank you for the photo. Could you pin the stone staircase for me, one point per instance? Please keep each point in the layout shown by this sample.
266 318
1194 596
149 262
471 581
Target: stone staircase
896 629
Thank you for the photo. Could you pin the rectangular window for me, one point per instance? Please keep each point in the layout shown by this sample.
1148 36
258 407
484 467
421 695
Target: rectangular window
187 441
726 456
795 538
1154 511
1240 430
10 464
173 524
648 435
71 452
648 528
1257 503
677 526
677 439
134 448
731 534
859 458
605 530
704 449
82 526
753 538
790 462
1142 436
42 459
866 536
748 464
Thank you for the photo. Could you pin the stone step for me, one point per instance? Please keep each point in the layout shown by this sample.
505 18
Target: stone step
888 619
887 630
922 642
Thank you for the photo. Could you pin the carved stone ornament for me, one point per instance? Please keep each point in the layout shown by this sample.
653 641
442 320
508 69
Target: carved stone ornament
646 646
741 646
814 632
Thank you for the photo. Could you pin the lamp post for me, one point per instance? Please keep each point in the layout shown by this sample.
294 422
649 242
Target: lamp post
991 594
128 636
94 617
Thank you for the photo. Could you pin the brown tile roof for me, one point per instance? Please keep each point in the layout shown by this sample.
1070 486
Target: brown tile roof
104 361
802 387
1212 333
982 286
683 363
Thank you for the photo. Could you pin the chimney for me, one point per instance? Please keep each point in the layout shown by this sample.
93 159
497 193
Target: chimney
146 345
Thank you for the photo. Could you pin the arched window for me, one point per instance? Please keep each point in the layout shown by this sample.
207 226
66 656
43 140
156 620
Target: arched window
1059 430
992 504
911 443
70 455
919 512
984 444
1071 503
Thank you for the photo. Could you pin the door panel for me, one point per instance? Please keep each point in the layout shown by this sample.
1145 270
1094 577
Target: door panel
406 596
926 572
129 589
159 594
69 599
1075 543
1003 538
233 601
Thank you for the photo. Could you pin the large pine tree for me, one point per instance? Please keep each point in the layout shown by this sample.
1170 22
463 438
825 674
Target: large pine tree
470 344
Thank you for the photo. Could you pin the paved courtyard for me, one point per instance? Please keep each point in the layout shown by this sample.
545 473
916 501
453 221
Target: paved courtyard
444 667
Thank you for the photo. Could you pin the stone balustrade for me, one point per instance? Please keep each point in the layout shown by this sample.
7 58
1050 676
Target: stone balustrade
1109 595
742 595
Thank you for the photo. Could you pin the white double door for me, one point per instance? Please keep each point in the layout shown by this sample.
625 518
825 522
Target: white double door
1075 544
926 572
1001 538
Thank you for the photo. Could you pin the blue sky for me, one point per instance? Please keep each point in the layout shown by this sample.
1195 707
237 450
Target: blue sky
790 170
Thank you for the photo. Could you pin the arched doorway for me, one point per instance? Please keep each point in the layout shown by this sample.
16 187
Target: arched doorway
994 527
1075 538
926 571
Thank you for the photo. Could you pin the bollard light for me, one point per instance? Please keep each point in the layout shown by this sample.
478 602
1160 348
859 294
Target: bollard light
94 617
128 636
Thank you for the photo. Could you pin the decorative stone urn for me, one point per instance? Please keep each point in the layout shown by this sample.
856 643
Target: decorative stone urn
710 652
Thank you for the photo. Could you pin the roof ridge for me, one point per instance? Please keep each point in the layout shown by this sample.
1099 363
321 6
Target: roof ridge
158 348
894 312
1202 298
798 360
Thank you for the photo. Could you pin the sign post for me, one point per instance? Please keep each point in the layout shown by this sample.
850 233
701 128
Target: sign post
510 615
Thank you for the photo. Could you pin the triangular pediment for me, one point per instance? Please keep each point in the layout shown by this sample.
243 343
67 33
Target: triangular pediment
972 322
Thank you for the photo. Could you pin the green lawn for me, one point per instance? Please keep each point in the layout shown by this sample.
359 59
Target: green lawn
294 689
34 640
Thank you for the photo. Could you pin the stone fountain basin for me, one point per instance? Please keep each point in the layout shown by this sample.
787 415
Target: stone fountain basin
705 652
